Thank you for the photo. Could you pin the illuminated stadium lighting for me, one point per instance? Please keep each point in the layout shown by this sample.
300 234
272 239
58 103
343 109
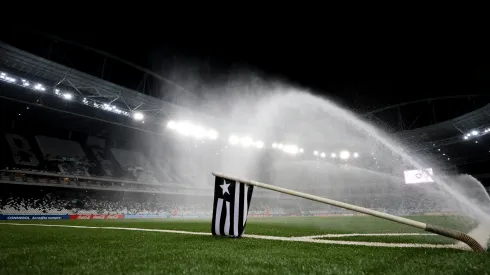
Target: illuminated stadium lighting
233 140
56 91
138 116
291 149
323 155
259 144
345 155
172 124
107 107
7 78
288 148
25 83
476 133
188 129
212 134
246 141
67 96
185 128
39 87
198 132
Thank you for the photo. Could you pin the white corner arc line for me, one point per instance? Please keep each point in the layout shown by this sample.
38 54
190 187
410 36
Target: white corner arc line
378 244
365 234
290 239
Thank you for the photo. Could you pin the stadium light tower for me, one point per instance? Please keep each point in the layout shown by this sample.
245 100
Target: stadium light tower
138 116
233 140
212 134
246 141
345 155
198 132
172 124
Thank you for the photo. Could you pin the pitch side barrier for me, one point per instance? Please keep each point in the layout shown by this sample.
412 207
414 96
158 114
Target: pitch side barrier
97 216
61 217
34 217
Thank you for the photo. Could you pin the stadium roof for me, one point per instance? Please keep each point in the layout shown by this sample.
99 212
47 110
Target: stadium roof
87 86
447 132
20 62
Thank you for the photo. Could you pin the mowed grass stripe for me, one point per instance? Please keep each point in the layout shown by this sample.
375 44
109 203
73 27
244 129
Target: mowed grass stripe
56 250
265 237
274 226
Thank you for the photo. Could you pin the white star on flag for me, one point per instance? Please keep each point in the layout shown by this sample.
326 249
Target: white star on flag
224 186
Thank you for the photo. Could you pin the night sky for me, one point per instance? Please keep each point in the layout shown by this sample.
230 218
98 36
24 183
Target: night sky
361 70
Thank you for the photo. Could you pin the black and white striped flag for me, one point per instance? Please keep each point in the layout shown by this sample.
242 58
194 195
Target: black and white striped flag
230 208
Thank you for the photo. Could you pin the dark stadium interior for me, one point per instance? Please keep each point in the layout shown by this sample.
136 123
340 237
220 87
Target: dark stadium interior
425 117
73 147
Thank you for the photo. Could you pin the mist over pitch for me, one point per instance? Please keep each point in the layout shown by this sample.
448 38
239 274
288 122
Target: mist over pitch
313 145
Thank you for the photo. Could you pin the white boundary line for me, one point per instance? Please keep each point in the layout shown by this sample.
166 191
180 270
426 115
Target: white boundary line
109 227
290 239
366 234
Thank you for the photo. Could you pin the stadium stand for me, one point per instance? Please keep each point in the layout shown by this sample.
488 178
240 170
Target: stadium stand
50 166
62 172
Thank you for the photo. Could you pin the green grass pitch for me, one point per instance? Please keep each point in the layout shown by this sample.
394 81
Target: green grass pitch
67 250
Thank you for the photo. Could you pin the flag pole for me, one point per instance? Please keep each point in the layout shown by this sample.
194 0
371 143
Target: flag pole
454 234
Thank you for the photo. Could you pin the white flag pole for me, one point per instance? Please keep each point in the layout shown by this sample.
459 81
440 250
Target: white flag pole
427 227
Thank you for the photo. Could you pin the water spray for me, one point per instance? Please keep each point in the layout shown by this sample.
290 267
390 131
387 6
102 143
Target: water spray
450 233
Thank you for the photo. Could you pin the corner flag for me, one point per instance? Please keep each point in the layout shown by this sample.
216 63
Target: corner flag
223 194
230 208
